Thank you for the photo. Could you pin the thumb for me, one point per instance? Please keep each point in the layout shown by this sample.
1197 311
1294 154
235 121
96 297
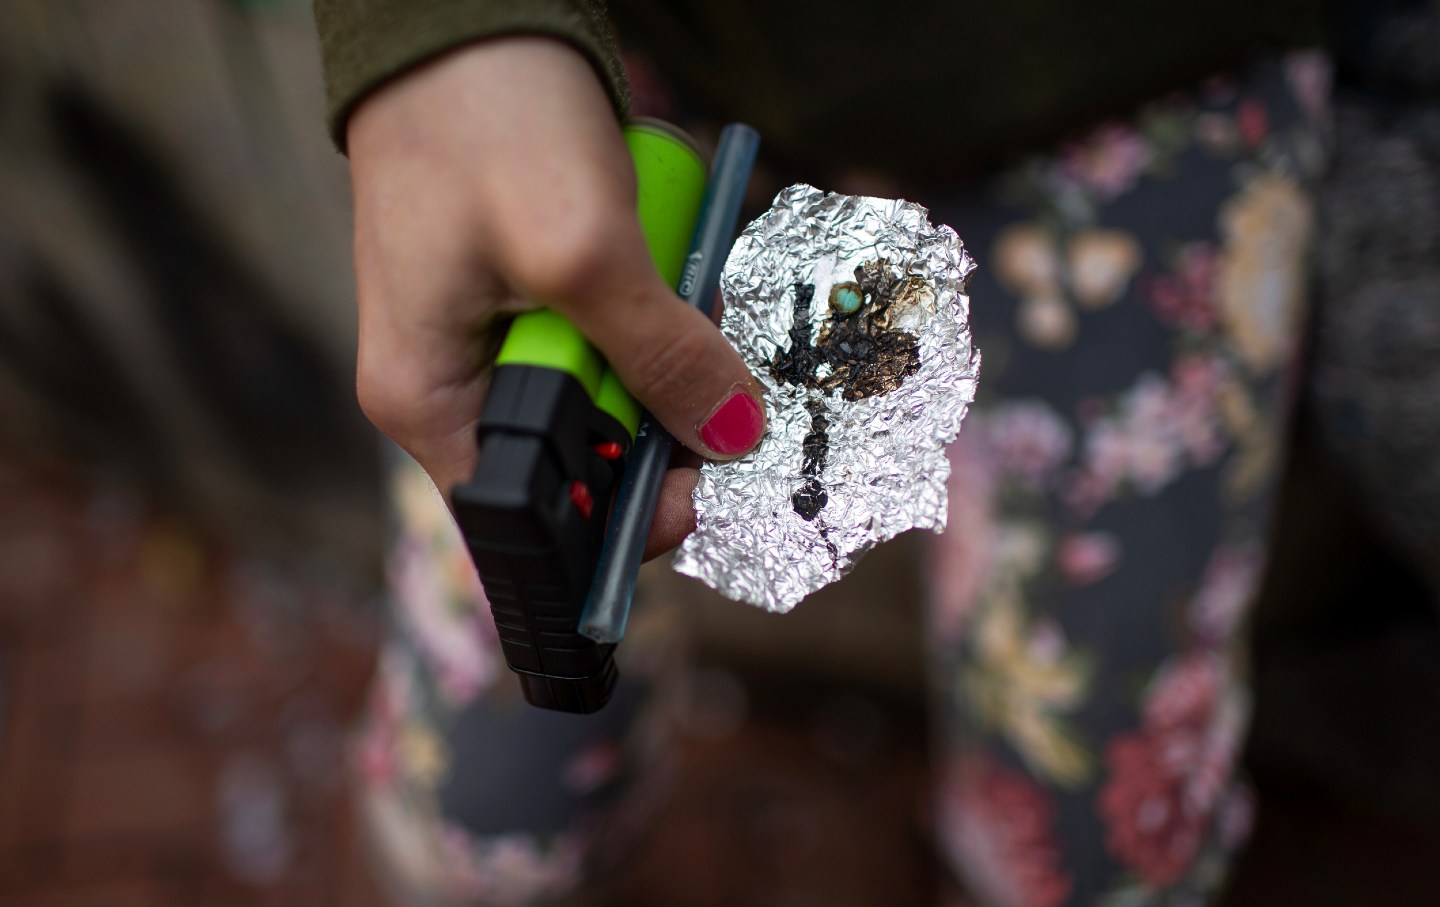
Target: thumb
666 352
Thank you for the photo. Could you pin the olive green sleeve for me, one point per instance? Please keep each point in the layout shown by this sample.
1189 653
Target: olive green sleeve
363 43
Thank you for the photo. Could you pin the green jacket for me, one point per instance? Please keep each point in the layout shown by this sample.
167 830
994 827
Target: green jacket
935 86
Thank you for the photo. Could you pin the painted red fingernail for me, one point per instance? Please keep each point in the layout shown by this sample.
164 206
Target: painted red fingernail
735 426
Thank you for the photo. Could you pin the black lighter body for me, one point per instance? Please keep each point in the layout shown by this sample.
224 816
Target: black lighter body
553 438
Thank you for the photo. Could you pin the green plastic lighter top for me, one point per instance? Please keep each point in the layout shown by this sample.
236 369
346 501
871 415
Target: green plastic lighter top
670 185
670 182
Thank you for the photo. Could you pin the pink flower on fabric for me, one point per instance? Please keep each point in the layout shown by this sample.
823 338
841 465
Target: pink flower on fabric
510 870
596 765
459 679
1147 404
1216 132
964 553
1107 451
1182 694
442 606
998 829
1156 455
1198 376
1197 381
1155 460
1028 440
1227 587
1148 831
1310 75
1251 122
375 747
1088 557
1107 459
1167 779
1197 430
1138 444
1086 491
1108 161
1236 818
374 754
1186 298
1157 429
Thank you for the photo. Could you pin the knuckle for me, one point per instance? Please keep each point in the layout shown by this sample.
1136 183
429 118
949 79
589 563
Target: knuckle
564 260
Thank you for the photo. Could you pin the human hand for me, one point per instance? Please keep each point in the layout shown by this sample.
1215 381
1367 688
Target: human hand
496 179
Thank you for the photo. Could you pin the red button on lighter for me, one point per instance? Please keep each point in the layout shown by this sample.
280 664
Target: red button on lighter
580 496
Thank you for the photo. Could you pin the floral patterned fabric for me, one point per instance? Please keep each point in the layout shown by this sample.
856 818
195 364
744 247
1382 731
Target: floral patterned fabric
1139 301
475 796
1141 317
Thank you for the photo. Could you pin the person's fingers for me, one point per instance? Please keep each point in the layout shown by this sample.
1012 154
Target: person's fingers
453 165
571 240
674 508
684 456
468 202
674 515
423 306
423 386
668 354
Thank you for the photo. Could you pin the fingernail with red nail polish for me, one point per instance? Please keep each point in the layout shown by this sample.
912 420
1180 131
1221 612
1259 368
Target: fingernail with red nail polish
734 426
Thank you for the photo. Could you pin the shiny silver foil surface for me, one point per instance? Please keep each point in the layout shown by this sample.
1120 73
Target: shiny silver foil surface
861 400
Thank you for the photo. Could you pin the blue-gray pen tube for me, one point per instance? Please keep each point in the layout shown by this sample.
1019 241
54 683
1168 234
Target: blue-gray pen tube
607 609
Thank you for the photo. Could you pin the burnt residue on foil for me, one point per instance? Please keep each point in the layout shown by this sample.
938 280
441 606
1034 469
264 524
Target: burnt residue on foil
851 313
858 352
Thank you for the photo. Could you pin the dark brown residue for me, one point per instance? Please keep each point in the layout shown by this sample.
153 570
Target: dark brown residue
866 356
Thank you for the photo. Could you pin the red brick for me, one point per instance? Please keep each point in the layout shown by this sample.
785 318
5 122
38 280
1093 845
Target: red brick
38 574
129 646
124 893
38 744
154 792
28 866
172 855
220 892
113 729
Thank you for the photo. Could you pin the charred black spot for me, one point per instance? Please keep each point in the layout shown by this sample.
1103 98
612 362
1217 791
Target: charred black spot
798 364
811 496
810 499
864 355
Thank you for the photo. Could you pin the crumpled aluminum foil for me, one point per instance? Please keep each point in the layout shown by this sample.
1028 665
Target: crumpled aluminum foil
860 408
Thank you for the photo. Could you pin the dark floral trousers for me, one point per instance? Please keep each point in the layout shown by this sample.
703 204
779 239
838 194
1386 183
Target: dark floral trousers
1140 303
1141 315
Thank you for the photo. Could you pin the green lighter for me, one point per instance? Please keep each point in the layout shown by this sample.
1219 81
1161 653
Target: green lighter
554 435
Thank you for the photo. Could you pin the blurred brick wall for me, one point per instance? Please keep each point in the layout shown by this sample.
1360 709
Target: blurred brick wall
174 713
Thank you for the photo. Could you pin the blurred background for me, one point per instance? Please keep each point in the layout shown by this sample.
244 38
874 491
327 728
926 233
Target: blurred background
191 534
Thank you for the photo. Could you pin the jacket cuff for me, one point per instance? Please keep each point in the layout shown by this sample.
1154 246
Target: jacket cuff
365 43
